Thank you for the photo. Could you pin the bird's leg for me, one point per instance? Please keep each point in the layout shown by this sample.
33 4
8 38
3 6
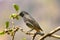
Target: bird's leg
40 33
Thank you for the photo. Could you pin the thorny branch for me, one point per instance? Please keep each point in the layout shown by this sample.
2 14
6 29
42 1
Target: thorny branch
50 34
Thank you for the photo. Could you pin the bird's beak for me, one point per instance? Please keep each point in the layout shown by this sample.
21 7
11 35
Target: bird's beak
18 15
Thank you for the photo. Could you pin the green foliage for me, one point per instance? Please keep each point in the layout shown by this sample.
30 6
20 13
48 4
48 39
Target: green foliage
16 7
2 32
14 16
7 24
8 30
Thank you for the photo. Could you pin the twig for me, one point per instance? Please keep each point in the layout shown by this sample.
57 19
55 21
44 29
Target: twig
11 31
55 36
21 29
55 30
13 36
14 31
51 34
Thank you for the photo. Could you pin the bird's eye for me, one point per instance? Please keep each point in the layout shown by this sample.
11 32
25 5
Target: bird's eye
21 14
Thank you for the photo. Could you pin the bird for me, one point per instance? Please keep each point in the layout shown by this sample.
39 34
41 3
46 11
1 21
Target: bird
31 23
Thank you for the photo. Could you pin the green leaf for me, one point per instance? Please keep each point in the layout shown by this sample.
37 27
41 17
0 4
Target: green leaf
7 24
2 32
14 16
16 7
10 30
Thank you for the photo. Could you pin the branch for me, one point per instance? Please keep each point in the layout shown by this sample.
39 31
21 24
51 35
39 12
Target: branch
15 29
55 36
51 34
13 36
11 31
21 29
55 30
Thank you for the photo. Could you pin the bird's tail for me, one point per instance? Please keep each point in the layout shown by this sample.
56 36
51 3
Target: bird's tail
40 33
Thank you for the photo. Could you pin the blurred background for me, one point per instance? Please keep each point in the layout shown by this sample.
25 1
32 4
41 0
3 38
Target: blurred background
45 12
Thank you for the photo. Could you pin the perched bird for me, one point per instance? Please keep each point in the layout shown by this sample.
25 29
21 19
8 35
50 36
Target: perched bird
31 23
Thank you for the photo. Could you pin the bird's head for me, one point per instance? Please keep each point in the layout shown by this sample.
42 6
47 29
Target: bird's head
23 13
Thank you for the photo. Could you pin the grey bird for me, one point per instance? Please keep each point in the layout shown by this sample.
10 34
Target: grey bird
31 23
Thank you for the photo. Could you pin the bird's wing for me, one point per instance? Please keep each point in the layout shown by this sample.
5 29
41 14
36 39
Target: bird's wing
35 24
29 25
